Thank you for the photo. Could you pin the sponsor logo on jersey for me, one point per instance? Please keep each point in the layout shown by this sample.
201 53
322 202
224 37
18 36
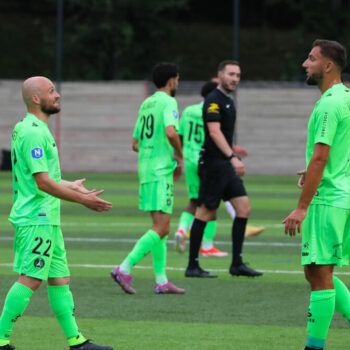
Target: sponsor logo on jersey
37 153
213 108
176 115
39 263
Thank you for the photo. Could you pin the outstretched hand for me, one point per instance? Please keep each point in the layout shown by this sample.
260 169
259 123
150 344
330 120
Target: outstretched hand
78 186
93 202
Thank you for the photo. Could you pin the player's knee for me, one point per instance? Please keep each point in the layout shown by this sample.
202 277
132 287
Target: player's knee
59 281
166 230
162 230
243 211
30 282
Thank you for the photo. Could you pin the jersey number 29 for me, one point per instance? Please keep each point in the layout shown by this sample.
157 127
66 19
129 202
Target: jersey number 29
147 128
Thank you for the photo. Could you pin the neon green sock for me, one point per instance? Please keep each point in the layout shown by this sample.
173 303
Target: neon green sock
209 234
142 247
342 298
16 301
185 221
159 254
62 304
322 304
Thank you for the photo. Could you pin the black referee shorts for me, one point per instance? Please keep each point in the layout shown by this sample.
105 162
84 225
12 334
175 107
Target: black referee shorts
218 181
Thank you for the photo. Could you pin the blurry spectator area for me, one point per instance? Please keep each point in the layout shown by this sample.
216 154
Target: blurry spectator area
95 127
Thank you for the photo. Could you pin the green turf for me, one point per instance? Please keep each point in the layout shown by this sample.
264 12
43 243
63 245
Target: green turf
225 313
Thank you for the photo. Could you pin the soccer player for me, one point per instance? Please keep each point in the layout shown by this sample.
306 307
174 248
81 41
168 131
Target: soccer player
220 170
192 137
39 247
156 140
323 210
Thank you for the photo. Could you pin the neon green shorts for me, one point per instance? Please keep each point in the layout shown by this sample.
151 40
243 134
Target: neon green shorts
40 252
192 179
157 195
326 236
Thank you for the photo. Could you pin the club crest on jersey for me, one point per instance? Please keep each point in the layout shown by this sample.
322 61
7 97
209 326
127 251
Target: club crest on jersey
213 108
37 153
176 115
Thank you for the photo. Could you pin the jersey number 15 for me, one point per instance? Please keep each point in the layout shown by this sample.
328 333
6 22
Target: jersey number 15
195 132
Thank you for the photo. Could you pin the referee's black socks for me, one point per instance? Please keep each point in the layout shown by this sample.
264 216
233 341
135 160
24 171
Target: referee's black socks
238 231
196 236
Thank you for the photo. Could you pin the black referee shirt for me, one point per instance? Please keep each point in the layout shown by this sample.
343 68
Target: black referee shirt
218 107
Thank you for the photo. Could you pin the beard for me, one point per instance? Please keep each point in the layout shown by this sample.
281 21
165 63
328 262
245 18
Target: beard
49 109
172 92
311 81
314 79
227 87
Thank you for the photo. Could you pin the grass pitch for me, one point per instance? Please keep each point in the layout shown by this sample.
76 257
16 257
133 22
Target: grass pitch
267 313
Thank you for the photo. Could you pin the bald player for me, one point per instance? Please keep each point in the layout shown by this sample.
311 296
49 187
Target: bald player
37 189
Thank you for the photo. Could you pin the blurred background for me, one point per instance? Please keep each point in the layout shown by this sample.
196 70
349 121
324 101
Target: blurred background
100 54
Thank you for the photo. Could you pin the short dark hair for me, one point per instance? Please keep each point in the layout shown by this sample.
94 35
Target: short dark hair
345 78
162 72
333 50
222 65
208 87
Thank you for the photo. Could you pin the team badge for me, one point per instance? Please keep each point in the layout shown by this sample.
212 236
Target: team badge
39 263
176 115
213 108
37 153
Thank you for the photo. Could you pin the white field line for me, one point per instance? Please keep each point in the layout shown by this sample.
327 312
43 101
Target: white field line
169 268
141 224
127 240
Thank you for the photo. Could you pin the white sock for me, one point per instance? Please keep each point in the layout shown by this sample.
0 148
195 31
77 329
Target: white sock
230 209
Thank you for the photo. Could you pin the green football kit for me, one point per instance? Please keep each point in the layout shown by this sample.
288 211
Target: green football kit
38 243
191 129
326 228
39 247
156 163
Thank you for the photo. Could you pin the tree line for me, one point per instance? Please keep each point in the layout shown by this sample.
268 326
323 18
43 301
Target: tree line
123 39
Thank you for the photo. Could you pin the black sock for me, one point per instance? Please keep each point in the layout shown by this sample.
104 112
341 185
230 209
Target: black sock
238 230
196 236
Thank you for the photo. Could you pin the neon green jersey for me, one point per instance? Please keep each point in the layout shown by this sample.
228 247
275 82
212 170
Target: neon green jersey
155 151
330 124
33 150
191 129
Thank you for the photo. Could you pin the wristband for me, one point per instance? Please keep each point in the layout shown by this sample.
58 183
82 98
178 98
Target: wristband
233 155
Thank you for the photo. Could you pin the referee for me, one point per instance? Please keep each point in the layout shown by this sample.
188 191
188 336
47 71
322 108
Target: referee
219 170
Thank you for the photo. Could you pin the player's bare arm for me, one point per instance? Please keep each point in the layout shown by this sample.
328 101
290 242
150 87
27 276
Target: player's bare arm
312 181
218 137
135 145
175 141
90 200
